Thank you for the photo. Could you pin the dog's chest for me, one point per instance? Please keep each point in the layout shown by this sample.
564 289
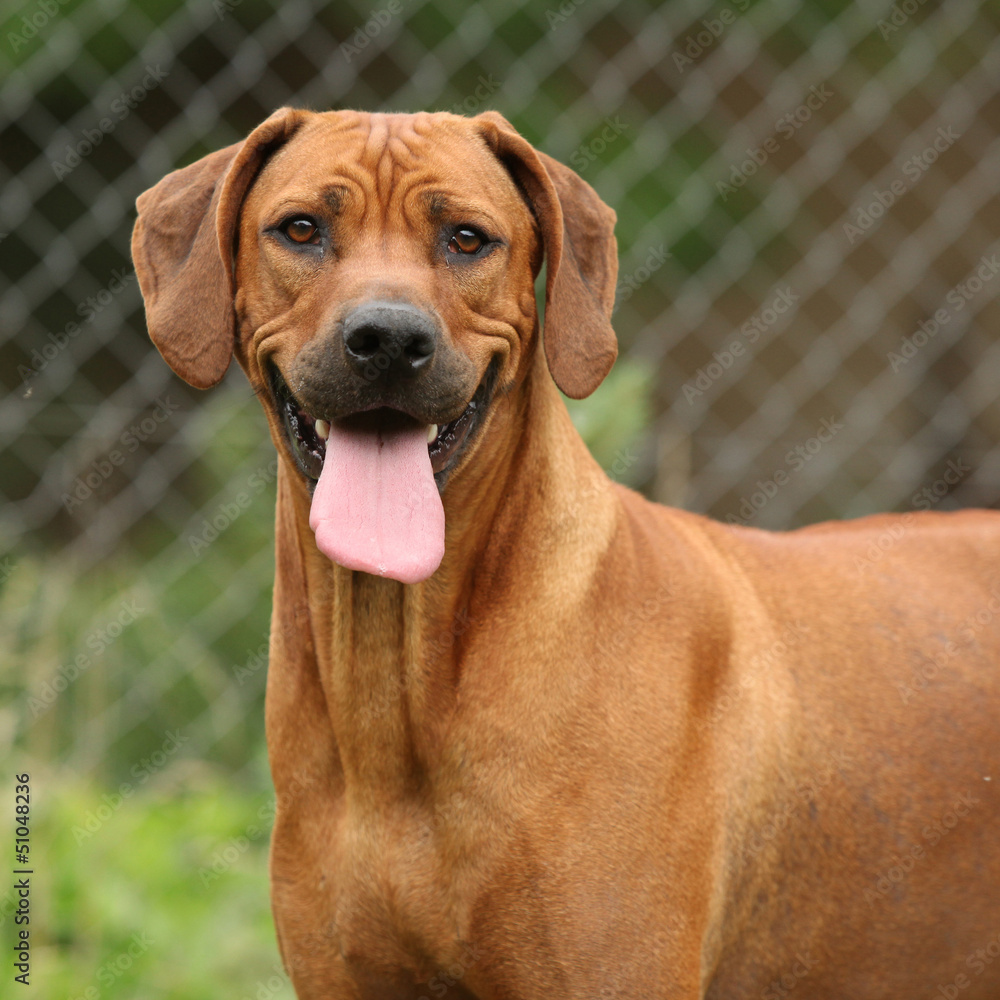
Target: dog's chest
393 905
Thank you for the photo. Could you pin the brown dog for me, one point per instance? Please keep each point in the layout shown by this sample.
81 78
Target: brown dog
531 735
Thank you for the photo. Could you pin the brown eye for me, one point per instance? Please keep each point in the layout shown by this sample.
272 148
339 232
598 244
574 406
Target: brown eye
301 231
465 241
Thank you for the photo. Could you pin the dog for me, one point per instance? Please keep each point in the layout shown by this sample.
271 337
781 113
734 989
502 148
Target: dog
533 736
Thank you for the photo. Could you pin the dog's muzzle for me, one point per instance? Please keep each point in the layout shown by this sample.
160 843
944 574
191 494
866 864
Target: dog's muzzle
377 413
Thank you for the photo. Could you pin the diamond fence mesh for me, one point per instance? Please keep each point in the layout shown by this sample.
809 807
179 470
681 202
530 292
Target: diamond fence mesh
808 228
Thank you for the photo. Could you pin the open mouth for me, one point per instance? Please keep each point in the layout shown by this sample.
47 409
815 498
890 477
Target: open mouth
376 479
307 434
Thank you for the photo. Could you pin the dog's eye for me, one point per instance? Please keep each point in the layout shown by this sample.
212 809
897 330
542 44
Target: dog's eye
302 231
465 241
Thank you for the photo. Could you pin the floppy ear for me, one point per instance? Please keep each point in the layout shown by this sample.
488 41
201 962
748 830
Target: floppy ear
183 244
581 259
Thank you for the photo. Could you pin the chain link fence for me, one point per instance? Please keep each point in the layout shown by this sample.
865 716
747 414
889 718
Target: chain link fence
808 227
809 234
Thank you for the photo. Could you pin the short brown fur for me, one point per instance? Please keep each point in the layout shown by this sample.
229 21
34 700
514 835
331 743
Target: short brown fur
609 749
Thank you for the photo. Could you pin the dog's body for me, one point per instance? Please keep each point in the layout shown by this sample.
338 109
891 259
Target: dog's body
605 748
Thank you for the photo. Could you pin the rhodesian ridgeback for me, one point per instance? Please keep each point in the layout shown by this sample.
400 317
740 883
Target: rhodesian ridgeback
533 736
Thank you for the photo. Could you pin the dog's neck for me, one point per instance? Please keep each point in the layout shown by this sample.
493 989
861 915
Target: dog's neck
390 657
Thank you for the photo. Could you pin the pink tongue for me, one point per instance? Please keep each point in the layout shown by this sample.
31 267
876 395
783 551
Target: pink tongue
376 507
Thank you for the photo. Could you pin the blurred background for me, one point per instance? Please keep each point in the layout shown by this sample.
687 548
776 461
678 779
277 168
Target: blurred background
809 230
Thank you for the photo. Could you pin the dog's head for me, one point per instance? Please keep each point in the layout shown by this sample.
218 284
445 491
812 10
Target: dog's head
374 275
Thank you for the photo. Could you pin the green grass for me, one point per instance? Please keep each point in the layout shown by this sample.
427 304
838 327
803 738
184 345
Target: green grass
176 872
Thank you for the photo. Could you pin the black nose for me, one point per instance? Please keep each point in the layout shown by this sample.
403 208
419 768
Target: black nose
389 337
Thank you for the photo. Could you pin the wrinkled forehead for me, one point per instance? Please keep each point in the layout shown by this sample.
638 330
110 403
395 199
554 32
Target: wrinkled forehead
438 161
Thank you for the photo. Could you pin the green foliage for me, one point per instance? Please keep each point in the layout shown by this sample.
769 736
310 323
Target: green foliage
160 894
612 419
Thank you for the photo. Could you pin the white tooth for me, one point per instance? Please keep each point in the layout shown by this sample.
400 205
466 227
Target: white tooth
322 429
432 433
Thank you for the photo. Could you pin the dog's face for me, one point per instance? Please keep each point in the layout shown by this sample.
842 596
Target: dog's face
374 275
385 264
